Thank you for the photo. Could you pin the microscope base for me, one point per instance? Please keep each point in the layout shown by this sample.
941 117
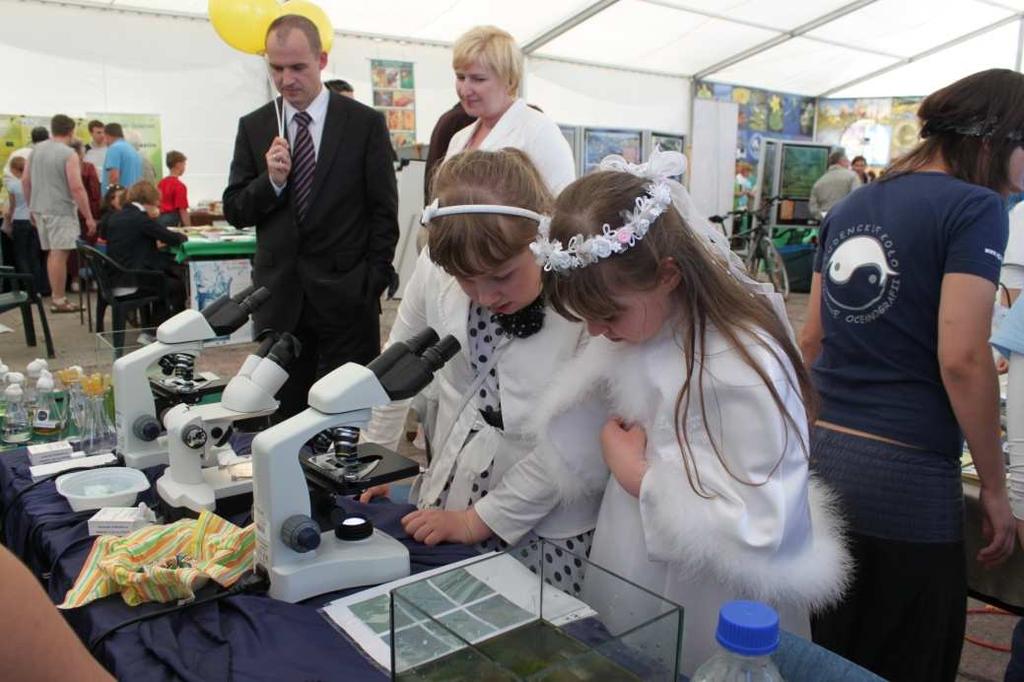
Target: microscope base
339 565
217 491
144 460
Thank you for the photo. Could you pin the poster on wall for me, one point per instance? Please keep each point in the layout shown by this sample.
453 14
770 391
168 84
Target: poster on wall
879 129
600 142
572 136
15 134
211 279
394 95
143 128
762 114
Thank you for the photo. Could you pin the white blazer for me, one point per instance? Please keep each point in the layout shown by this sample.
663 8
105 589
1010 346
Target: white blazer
522 497
531 132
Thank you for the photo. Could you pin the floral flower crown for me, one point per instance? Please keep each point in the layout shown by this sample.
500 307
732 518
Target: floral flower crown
583 251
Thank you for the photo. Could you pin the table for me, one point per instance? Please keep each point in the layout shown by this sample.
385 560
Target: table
245 637
237 246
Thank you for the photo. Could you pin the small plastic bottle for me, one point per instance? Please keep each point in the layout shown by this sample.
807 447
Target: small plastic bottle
17 429
47 420
748 632
34 370
3 387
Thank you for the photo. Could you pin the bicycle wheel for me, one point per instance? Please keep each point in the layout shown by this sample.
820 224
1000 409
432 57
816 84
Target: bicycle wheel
768 266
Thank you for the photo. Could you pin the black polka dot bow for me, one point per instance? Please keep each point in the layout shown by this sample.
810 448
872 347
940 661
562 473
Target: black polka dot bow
522 323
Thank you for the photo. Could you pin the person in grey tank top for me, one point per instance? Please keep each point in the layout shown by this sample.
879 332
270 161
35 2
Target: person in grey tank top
53 189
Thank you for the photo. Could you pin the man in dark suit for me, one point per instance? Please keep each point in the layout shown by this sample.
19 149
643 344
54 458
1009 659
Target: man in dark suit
324 201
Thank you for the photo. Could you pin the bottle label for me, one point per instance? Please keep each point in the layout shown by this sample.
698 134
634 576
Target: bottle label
43 421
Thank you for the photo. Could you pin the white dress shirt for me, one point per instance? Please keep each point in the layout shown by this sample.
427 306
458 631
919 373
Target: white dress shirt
317 111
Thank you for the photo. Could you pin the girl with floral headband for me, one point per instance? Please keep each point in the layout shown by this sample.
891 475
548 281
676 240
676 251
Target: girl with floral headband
478 281
697 405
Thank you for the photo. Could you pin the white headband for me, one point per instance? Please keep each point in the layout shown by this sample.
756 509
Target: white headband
435 211
582 251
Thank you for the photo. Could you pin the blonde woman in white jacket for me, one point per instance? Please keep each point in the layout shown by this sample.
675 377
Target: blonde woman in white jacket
488 71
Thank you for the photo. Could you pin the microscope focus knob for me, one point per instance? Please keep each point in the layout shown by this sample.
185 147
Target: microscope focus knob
300 533
146 428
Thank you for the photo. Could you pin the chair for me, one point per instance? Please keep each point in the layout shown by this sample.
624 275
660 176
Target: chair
85 280
121 300
22 295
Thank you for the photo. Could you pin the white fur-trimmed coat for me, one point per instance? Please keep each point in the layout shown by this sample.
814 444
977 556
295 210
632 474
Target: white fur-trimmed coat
779 541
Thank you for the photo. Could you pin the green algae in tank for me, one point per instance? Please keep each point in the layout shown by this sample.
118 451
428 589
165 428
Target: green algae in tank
537 651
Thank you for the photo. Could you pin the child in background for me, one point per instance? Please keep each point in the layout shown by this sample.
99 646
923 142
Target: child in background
113 201
478 280
174 194
696 397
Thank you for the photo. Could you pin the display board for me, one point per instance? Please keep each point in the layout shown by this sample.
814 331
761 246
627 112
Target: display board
600 142
788 170
879 129
394 95
572 135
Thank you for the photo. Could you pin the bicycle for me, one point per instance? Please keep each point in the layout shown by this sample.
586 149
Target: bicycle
755 247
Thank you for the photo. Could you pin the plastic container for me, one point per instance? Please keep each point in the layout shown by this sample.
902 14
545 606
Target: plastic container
17 427
799 260
748 632
106 487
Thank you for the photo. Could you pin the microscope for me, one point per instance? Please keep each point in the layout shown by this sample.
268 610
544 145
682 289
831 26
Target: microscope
299 560
205 472
178 343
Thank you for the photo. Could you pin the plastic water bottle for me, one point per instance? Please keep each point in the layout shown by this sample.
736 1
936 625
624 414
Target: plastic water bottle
748 632
17 430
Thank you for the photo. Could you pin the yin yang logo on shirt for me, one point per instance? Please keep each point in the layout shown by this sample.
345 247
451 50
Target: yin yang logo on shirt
858 274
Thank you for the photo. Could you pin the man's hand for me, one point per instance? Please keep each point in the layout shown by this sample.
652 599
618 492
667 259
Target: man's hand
90 225
279 161
433 526
623 446
997 527
375 491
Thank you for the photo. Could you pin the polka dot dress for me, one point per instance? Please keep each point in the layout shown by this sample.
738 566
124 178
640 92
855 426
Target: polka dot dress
562 567
484 334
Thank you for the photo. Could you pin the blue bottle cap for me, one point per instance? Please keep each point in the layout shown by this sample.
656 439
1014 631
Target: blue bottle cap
748 628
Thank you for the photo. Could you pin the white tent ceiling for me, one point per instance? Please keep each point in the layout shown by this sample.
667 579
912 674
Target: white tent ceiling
838 48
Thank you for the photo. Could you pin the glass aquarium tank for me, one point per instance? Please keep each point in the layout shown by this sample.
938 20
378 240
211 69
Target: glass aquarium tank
498 619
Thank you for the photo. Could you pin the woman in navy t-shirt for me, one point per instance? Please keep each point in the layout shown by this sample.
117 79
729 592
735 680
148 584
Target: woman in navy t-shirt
896 335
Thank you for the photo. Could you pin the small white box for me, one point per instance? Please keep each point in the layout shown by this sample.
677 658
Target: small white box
78 459
120 520
47 453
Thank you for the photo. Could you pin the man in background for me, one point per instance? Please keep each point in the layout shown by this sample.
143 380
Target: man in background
55 194
122 164
342 87
96 150
836 183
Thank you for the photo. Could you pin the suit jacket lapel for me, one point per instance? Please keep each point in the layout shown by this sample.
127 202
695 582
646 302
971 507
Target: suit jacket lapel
330 140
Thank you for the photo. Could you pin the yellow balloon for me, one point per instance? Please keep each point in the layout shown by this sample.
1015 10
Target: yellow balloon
243 24
307 9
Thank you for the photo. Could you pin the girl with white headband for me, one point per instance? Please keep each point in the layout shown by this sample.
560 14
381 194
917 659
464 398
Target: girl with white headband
478 280
696 398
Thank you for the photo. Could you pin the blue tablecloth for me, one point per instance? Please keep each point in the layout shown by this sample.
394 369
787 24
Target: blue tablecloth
243 637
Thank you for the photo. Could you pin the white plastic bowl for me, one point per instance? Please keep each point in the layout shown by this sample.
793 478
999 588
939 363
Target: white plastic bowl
106 487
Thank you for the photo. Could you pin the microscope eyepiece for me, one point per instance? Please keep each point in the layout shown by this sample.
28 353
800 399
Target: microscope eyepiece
286 348
254 300
440 353
420 342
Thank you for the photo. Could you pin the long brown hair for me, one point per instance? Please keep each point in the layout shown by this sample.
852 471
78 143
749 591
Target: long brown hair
707 295
973 125
467 245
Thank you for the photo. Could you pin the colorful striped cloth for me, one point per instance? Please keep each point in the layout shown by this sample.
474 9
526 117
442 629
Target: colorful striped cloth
164 563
